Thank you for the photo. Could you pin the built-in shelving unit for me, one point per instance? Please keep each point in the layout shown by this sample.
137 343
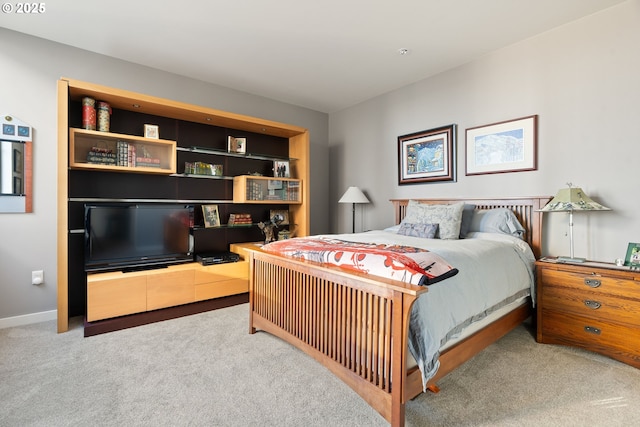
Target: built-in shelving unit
261 189
188 133
89 149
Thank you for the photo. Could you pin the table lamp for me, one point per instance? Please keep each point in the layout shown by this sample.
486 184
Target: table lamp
353 195
569 200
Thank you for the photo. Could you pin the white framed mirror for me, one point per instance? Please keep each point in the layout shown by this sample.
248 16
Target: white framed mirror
16 170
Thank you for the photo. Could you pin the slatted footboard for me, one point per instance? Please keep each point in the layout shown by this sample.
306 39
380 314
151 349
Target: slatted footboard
355 325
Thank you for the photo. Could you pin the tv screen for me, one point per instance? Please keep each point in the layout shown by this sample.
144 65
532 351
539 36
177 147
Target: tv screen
136 236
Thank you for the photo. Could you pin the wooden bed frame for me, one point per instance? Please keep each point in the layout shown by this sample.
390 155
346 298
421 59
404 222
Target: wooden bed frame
356 325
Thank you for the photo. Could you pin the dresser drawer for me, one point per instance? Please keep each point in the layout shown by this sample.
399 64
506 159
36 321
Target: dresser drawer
618 341
591 304
594 282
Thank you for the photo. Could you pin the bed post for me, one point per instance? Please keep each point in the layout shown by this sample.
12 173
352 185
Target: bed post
400 369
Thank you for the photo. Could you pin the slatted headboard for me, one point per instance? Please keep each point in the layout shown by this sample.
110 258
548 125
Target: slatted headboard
526 210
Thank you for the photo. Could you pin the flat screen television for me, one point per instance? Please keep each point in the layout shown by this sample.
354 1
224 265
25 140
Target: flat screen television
124 237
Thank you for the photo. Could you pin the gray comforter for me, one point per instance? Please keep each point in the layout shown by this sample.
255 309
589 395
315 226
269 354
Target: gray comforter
494 270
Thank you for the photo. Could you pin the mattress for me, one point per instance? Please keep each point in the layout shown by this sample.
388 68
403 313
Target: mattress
495 273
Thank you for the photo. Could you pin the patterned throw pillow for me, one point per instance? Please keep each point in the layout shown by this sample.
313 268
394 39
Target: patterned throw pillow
448 217
426 231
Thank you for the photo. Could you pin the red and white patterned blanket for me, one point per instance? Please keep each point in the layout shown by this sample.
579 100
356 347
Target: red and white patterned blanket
404 263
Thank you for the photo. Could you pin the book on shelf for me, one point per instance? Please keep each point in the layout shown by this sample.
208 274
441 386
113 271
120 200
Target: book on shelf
148 162
240 219
101 156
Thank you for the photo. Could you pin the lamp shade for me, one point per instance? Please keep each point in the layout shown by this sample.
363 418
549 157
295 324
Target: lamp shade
569 200
353 195
572 199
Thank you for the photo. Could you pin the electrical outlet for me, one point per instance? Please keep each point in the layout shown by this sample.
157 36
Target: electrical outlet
37 277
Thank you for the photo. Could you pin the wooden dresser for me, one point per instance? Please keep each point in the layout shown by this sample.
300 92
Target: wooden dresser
591 305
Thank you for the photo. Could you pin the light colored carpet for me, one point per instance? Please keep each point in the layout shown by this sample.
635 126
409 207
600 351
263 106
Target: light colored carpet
206 370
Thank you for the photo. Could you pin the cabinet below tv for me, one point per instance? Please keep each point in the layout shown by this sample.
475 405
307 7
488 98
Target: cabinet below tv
116 294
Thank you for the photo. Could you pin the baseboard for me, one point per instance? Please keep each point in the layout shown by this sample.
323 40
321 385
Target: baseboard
27 319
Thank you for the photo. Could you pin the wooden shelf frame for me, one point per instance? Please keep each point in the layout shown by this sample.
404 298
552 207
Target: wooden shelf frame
71 89
242 183
81 141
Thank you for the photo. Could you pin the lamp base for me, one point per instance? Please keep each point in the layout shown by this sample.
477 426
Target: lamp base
570 260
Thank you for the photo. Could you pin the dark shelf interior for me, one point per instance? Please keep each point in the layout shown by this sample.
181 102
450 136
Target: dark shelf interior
95 187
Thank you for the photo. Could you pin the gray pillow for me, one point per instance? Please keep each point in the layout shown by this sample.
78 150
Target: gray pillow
448 217
467 217
426 231
501 220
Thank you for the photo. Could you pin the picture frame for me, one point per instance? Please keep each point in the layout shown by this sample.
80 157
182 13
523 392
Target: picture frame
632 259
281 169
151 131
282 213
211 216
237 145
8 129
508 146
427 156
274 184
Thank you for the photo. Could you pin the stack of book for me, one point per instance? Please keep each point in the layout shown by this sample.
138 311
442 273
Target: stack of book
254 190
126 154
101 156
148 162
240 219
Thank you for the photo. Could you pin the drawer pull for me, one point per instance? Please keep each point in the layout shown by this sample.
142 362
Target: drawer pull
592 283
592 304
592 330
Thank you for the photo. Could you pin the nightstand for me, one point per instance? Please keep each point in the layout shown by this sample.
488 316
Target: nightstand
592 305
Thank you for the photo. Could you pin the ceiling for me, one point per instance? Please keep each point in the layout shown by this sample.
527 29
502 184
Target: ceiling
324 55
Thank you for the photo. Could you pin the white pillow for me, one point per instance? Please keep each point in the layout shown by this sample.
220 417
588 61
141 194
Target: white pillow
448 217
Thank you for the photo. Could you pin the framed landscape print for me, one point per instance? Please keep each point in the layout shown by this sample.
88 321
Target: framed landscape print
427 156
509 146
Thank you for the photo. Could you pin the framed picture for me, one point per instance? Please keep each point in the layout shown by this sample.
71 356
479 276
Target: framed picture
509 146
633 256
211 216
8 129
427 156
280 214
237 145
151 131
24 131
274 184
281 169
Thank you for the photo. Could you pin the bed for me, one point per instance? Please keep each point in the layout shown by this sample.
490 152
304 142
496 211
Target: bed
358 325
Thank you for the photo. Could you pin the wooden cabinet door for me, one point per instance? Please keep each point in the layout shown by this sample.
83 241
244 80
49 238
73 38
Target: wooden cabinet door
169 288
115 294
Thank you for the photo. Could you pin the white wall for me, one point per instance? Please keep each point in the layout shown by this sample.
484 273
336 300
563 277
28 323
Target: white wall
29 70
582 80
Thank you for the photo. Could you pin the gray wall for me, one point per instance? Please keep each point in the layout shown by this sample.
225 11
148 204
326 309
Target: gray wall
581 79
29 72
